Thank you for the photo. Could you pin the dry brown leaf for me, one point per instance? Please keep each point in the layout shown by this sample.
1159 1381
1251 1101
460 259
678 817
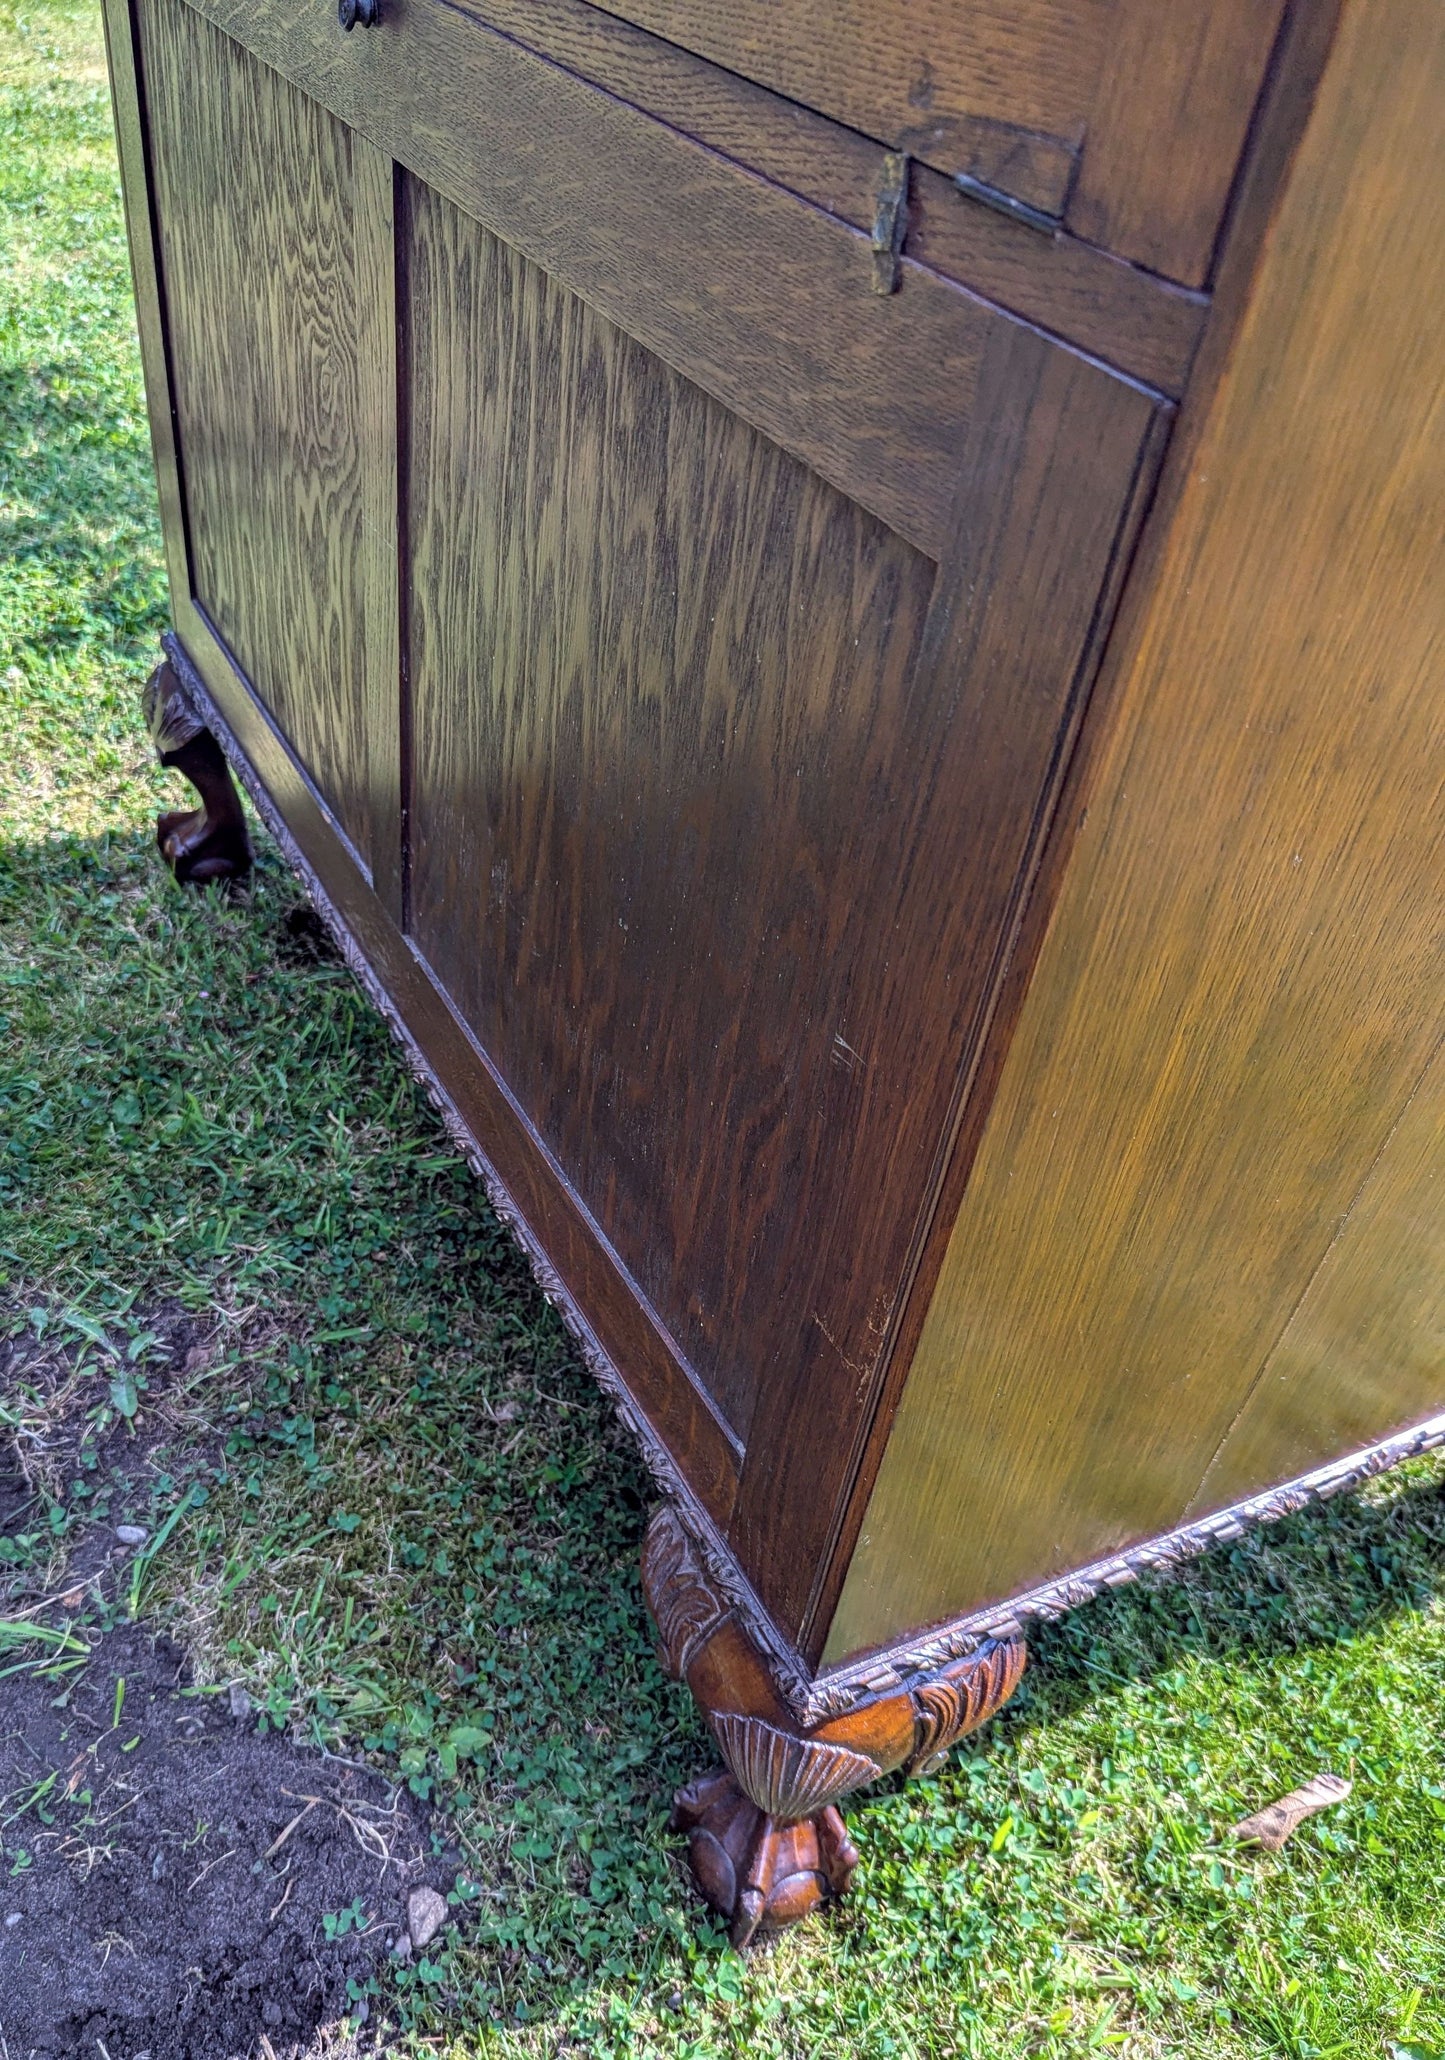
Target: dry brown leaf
1272 1826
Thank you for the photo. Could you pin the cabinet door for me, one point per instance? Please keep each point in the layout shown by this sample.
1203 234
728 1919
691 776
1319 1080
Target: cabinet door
274 227
746 616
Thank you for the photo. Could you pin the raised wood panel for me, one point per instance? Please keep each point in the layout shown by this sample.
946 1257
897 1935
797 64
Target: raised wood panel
720 813
1364 1353
656 668
765 304
275 247
1241 984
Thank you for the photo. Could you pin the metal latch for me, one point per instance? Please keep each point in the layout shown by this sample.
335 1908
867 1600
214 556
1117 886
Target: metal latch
890 221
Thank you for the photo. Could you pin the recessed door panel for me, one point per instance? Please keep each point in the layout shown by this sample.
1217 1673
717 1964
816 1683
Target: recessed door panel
659 669
275 247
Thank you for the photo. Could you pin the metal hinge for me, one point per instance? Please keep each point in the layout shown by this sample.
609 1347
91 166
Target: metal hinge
890 221
1005 204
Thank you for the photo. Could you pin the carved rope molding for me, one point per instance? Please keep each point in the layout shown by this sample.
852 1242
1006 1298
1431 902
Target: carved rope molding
810 1700
841 1687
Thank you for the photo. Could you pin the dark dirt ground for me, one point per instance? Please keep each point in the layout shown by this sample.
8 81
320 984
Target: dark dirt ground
152 1898
166 1871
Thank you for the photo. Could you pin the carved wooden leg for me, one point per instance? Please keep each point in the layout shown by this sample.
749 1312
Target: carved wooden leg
210 842
765 1838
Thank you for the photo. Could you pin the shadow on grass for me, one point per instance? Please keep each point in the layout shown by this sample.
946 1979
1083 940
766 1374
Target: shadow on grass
420 1525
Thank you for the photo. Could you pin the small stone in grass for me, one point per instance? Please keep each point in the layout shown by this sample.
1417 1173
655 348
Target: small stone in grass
426 1913
1272 1826
240 1702
132 1534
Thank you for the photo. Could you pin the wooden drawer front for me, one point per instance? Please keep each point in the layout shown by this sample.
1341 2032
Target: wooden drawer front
745 617
1122 118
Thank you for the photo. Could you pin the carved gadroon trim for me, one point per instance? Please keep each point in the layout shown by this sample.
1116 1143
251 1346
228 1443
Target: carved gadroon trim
685 1606
841 1687
766 1842
951 1704
785 1775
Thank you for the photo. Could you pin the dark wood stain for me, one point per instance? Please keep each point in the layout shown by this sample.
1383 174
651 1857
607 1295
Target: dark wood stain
1167 127
762 302
275 235
668 655
632 729
995 87
604 1302
1046 478
1139 323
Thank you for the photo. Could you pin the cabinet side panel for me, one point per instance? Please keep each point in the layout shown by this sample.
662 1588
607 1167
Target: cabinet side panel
1364 1353
1241 984
274 228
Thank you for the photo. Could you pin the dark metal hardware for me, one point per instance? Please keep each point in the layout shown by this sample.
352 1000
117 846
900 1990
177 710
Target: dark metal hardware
354 14
1005 204
890 221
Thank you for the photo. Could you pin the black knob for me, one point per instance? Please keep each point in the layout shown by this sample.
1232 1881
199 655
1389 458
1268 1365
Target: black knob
358 13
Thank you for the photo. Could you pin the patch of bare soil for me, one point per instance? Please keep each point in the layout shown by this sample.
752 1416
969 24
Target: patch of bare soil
173 1884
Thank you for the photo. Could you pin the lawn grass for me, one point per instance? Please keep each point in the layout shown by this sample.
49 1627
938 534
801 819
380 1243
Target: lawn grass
234 1245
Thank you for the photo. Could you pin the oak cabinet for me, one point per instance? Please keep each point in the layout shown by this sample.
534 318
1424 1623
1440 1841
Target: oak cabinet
677 517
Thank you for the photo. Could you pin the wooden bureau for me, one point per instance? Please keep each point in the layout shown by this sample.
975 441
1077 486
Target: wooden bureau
841 606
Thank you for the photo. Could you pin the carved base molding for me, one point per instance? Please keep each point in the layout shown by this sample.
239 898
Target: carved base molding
765 1838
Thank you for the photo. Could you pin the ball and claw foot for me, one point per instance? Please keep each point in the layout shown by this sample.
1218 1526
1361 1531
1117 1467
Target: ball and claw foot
210 842
758 1871
766 1842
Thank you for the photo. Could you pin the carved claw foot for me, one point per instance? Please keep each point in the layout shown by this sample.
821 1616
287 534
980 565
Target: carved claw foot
756 1870
765 1839
210 842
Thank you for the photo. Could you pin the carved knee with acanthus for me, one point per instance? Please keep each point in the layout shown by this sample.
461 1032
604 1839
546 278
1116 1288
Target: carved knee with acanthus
210 842
765 1837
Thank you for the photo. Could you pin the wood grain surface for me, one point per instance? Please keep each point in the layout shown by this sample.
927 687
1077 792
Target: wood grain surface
610 1317
122 63
651 655
1141 324
275 232
1364 1352
694 744
764 303
996 87
1126 119
1168 122
1240 988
